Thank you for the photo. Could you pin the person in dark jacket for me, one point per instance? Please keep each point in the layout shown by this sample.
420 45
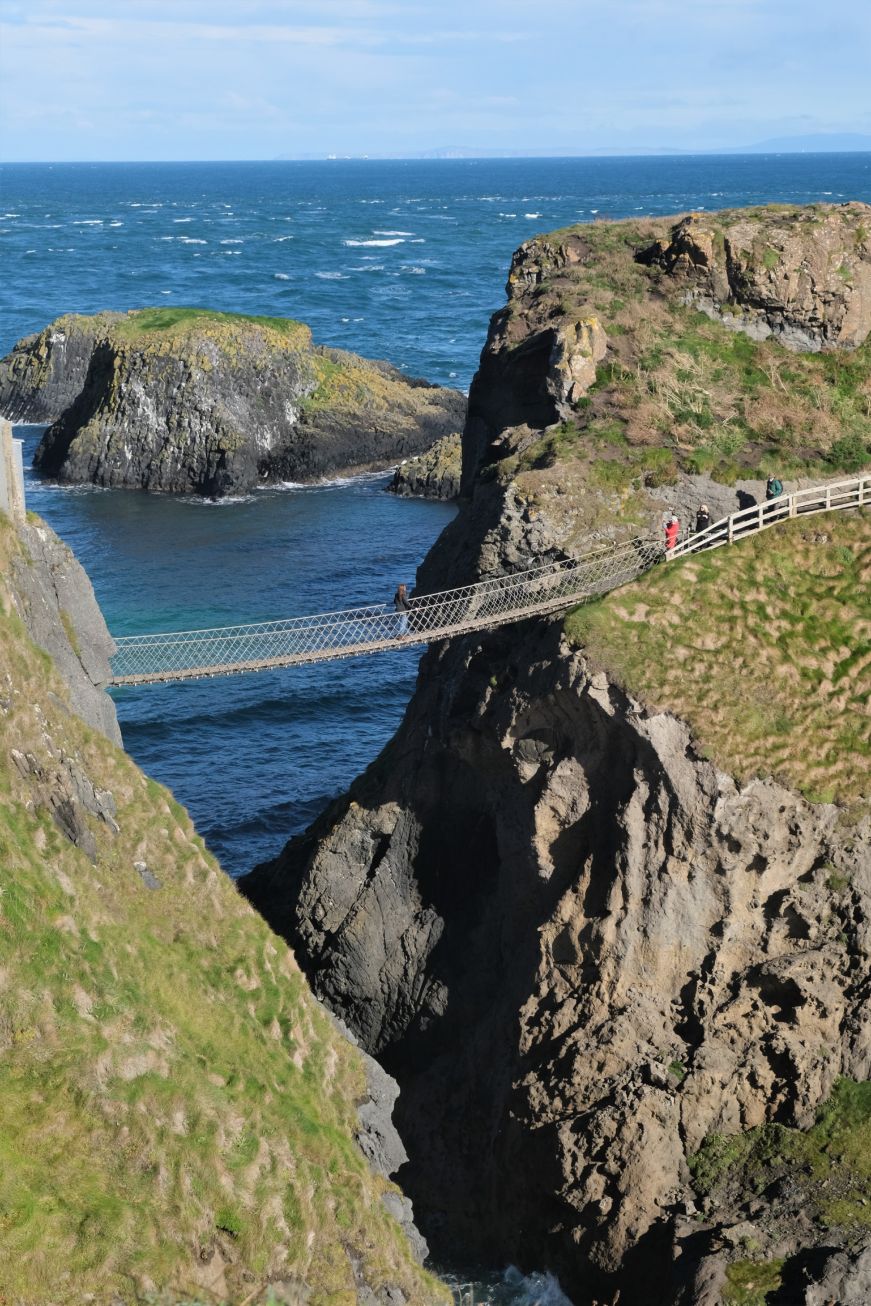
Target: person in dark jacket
703 518
403 607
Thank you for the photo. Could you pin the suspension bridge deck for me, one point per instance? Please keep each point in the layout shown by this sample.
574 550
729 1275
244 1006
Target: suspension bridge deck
496 601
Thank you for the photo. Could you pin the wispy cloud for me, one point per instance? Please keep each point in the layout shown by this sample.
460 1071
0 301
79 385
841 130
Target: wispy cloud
257 78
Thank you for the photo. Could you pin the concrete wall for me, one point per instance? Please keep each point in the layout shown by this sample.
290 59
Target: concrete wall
11 473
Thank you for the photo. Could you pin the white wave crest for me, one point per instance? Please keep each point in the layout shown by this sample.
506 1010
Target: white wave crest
332 276
226 501
280 276
380 243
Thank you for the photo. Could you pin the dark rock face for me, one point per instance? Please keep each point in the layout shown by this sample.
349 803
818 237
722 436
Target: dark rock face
46 373
57 604
212 405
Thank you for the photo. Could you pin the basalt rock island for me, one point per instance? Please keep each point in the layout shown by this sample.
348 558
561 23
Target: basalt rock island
193 401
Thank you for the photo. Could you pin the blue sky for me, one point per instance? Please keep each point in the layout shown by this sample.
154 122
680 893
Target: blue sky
210 79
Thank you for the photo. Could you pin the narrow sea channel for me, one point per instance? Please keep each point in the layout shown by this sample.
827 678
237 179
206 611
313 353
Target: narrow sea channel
254 758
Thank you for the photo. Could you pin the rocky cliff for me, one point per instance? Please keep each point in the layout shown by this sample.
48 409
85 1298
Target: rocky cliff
601 904
186 400
181 1120
52 594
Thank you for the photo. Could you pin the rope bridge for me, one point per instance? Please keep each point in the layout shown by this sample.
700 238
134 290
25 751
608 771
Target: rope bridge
259 646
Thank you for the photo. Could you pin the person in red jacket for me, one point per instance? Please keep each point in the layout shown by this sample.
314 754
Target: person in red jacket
672 530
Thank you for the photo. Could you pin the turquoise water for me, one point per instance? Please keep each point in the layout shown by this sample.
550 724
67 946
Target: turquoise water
403 261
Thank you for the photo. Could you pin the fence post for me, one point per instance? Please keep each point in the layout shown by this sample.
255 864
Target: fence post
793 507
730 533
11 474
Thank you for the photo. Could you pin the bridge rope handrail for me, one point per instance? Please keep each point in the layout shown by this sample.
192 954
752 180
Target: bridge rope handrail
539 590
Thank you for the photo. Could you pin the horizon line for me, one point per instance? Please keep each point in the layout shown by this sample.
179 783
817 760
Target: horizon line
722 152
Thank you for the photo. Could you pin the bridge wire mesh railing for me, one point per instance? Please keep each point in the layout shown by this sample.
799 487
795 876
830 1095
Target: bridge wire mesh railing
181 655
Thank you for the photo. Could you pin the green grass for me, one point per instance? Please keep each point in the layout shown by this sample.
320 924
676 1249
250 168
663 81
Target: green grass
748 1283
70 631
166 1080
764 648
830 1162
148 321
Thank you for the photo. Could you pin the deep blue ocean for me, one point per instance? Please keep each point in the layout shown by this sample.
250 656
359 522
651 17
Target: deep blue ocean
398 260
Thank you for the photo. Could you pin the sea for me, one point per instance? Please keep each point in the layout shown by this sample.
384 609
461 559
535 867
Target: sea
398 260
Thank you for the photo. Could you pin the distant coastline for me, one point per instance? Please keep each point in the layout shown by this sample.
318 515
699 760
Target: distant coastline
823 144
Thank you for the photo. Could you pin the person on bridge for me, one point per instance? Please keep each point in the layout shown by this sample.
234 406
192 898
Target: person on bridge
672 530
703 518
773 488
403 607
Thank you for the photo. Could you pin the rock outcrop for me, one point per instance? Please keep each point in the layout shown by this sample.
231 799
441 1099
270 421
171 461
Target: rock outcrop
801 275
583 948
185 401
623 294
55 600
434 474
580 949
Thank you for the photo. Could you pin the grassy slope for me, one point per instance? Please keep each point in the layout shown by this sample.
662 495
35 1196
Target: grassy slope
167 1084
830 1163
764 648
